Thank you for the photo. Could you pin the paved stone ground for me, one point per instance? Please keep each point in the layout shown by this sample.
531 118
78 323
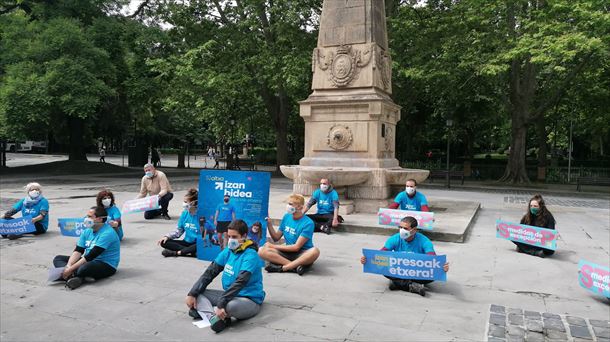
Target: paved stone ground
144 301
512 324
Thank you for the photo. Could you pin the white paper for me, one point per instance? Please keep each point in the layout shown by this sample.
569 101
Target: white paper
55 273
204 323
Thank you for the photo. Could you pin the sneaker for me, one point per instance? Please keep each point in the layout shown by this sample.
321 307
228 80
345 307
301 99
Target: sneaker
217 324
193 313
417 288
520 250
15 236
273 268
89 280
539 253
301 269
167 253
166 216
325 229
74 282
393 286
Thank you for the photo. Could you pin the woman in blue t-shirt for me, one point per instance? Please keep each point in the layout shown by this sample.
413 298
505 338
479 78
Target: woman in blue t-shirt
34 205
97 253
242 282
105 198
189 225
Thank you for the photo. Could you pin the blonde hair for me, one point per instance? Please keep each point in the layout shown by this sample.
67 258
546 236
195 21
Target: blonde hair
297 199
33 185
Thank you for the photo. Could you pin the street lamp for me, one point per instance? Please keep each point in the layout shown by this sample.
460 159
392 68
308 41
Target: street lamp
449 124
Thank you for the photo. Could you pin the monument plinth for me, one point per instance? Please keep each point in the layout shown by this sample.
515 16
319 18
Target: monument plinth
350 119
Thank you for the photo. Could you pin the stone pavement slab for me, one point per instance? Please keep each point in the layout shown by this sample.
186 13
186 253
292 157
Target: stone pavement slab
144 301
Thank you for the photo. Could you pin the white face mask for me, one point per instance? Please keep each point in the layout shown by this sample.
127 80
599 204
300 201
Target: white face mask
148 174
186 206
410 190
106 202
88 222
290 209
34 194
323 187
404 234
233 244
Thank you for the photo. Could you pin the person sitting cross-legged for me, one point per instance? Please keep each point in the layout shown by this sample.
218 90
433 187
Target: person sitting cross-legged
188 225
299 253
327 200
242 291
410 241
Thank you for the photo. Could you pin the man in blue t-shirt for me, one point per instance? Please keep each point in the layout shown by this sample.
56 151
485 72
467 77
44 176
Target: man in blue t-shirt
410 199
242 291
299 253
410 241
327 200
97 253
225 213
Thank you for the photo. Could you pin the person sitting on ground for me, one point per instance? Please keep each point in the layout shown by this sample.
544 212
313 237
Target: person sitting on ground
299 253
256 233
188 224
410 241
225 213
97 253
209 231
105 198
155 182
410 199
34 205
242 282
539 216
327 200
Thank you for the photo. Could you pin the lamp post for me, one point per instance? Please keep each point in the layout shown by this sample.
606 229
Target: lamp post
449 124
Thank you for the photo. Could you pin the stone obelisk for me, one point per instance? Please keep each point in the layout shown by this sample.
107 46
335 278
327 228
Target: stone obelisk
350 119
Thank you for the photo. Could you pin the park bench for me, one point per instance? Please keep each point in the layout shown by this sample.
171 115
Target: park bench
443 175
244 164
591 181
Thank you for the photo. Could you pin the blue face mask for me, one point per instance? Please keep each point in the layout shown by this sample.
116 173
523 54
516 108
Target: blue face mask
233 244
88 222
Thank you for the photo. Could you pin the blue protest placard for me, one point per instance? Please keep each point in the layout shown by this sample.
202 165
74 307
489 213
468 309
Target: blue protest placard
405 265
535 236
249 194
15 226
595 278
71 226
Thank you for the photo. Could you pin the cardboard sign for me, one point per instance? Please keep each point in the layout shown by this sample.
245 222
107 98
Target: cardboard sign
20 225
141 204
392 217
71 226
534 236
594 278
405 265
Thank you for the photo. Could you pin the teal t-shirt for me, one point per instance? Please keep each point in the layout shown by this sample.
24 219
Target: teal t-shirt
420 244
115 214
190 224
225 212
34 210
234 263
411 203
105 238
325 201
292 229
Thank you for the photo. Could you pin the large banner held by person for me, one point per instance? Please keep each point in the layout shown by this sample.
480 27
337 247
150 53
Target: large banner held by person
141 204
594 278
535 236
71 226
392 217
20 225
249 194
405 265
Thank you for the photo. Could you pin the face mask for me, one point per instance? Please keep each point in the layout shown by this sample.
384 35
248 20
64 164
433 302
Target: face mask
254 229
88 222
106 202
186 206
404 234
323 187
290 209
410 190
148 174
233 243
534 211
226 200
34 194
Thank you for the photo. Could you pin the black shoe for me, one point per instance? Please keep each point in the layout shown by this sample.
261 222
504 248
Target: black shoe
394 287
520 250
193 313
273 268
325 229
217 324
539 253
15 236
74 282
417 288
301 269
167 253
4 236
166 216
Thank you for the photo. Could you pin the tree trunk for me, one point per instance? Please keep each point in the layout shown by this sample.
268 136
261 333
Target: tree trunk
181 154
542 148
77 146
515 169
